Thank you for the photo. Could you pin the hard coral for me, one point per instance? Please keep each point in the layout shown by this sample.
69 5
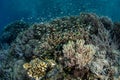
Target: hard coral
11 31
78 54
18 71
36 68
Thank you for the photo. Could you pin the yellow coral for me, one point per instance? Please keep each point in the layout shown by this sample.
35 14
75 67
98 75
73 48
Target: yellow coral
77 53
36 68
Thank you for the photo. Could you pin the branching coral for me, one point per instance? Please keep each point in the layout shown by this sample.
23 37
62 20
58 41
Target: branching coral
19 73
36 68
78 54
12 30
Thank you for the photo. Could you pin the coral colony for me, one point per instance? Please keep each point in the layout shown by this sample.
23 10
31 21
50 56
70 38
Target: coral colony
84 47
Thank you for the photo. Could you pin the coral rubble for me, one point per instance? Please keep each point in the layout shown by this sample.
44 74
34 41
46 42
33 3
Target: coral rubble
84 47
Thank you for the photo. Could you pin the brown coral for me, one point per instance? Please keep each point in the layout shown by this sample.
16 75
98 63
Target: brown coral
36 68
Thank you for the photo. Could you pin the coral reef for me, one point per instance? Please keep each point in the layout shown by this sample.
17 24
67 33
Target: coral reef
84 47
11 31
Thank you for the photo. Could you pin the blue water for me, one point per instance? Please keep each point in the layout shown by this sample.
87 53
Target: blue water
42 10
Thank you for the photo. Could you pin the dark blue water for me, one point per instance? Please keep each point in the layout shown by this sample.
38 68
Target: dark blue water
42 10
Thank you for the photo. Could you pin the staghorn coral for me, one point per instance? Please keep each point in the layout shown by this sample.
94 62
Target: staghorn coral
115 33
108 24
78 54
24 42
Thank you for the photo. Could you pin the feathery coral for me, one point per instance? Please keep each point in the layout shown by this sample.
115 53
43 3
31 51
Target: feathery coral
78 54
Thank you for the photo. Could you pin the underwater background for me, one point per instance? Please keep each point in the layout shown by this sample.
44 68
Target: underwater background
42 10
59 40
